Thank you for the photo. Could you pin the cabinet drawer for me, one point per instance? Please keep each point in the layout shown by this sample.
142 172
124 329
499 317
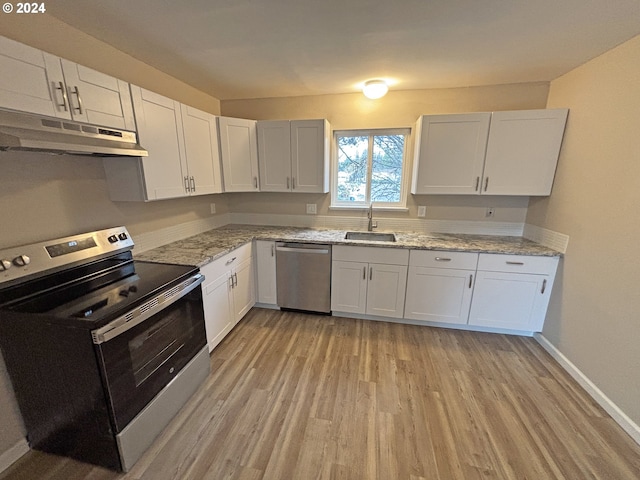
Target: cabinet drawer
517 263
226 262
382 255
442 259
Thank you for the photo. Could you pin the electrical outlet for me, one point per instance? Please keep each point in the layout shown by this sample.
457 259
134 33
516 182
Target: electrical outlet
422 211
490 213
213 208
311 208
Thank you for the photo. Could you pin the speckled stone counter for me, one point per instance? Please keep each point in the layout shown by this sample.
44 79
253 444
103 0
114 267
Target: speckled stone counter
206 247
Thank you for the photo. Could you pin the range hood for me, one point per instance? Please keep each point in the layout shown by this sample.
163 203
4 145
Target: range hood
24 131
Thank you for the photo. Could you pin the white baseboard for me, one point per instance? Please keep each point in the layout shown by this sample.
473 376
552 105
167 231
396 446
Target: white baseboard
13 454
605 402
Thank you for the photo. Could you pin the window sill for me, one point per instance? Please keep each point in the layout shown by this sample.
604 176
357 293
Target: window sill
365 207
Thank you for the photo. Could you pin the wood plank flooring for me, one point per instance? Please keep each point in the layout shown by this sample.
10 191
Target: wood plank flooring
296 396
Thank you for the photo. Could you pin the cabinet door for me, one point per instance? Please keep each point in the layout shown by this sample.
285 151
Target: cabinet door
439 294
266 272
97 98
160 132
522 152
274 155
239 151
310 156
27 85
386 290
202 152
349 286
515 301
218 315
450 151
244 296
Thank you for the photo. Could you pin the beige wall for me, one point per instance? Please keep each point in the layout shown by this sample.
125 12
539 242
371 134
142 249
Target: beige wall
594 316
396 109
51 35
52 196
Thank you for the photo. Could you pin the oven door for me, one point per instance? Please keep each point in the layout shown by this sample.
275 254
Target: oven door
142 351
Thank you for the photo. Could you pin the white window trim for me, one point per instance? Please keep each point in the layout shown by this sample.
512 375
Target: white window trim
406 174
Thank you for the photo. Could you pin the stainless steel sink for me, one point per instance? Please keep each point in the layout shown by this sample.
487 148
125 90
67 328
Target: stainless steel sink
370 236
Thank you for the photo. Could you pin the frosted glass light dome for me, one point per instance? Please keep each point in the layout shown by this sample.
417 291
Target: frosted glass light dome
374 89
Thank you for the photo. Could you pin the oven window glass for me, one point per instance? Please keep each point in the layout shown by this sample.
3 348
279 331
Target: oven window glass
153 347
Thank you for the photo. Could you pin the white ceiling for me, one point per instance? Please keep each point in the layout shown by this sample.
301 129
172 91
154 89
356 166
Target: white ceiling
270 48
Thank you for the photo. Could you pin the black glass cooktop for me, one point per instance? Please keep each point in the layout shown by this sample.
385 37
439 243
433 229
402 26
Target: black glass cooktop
98 292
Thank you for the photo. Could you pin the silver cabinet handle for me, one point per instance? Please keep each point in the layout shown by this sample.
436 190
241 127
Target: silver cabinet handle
477 183
470 280
193 184
65 100
76 92
231 281
288 187
235 275
515 263
544 285
370 273
364 273
293 183
186 184
486 183
273 249
229 262
442 259
255 182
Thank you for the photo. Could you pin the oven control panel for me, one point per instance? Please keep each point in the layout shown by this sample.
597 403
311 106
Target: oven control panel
39 258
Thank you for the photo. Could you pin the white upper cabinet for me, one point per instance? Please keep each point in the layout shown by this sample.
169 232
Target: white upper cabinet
522 152
183 153
310 156
294 155
274 155
202 152
499 153
160 131
37 82
239 152
450 151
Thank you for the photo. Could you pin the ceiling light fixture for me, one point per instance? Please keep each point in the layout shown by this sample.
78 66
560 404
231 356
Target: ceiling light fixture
375 89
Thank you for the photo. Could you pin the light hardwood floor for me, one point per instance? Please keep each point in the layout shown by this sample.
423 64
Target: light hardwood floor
296 396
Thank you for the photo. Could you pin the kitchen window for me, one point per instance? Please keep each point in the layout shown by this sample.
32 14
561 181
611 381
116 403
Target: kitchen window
369 166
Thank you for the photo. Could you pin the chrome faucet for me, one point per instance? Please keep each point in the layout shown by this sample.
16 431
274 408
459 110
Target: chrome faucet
372 224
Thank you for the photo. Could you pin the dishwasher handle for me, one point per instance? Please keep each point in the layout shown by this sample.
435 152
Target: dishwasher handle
303 248
321 251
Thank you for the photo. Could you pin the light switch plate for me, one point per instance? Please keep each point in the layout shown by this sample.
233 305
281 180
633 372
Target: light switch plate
422 211
311 208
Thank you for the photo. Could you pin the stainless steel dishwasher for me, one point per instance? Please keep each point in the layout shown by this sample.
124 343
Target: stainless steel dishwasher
303 276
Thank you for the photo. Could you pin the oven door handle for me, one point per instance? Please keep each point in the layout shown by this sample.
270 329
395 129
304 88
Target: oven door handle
146 310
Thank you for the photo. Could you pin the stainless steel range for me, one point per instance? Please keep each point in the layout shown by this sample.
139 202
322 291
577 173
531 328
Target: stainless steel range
102 350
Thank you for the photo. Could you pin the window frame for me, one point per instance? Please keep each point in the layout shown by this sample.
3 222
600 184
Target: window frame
404 182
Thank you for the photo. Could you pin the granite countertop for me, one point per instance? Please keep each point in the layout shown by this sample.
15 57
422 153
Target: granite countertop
208 246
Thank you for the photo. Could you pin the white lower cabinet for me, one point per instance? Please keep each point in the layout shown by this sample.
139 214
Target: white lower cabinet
440 286
228 292
266 272
369 280
512 292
